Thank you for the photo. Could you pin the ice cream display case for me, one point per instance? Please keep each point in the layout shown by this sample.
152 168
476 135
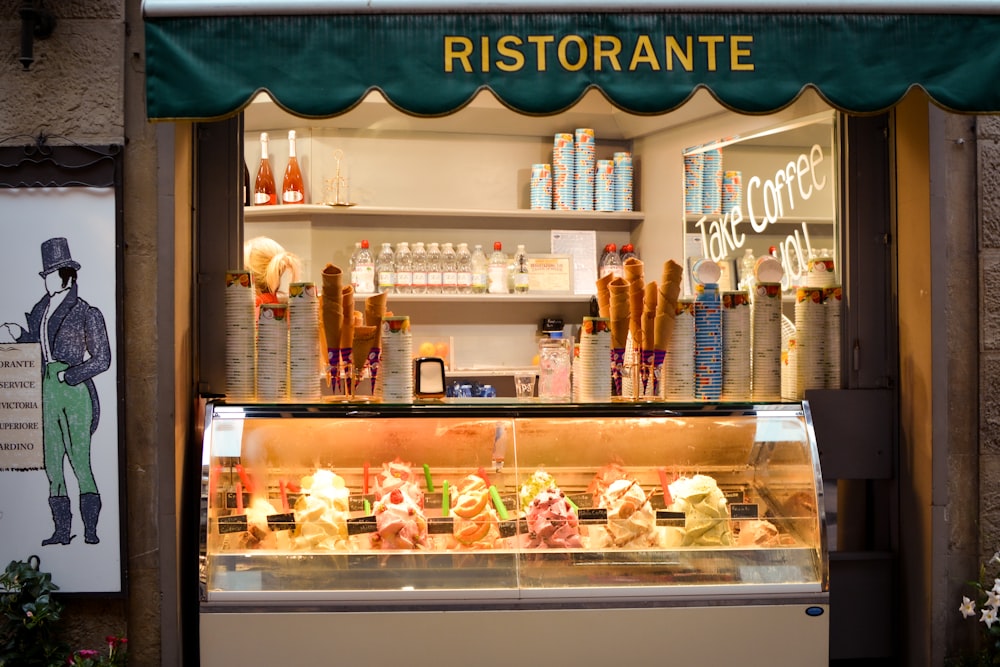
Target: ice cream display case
669 527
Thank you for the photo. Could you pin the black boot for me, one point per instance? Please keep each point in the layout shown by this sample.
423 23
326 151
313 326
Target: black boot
90 509
63 520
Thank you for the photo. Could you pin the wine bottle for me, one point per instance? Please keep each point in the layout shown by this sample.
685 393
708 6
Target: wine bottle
292 189
263 189
247 196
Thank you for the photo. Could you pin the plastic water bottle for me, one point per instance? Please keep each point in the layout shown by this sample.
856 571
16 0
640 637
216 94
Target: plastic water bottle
433 268
404 268
611 263
499 272
419 268
449 269
463 276
520 270
353 263
365 269
480 270
628 250
385 269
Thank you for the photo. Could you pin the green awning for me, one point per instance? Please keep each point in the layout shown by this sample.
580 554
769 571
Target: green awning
645 62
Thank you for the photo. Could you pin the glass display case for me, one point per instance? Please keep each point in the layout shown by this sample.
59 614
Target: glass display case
496 506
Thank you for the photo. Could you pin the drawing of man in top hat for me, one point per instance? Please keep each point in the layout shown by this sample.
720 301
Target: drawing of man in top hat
75 348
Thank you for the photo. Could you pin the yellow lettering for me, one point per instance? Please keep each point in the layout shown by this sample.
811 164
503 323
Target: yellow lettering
457 48
540 41
505 47
643 53
711 42
607 47
685 56
563 48
735 53
484 53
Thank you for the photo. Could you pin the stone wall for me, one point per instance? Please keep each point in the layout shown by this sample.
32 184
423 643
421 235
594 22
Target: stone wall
85 86
988 143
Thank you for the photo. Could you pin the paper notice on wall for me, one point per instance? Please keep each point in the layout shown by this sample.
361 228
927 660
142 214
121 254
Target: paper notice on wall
21 406
582 247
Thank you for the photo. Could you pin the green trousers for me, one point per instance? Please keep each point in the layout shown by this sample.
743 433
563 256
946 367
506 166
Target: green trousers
66 417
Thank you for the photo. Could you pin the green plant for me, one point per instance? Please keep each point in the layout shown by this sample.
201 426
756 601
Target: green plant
117 652
28 617
985 603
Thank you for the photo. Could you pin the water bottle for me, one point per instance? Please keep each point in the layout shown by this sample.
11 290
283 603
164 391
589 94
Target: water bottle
353 263
385 269
463 276
433 268
419 268
498 272
628 250
364 267
480 270
449 269
520 270
404 268
611 263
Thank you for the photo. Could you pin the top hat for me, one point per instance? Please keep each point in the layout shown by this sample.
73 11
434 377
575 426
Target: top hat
55 256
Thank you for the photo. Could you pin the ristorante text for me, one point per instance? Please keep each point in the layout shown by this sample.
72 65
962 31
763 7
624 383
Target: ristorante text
512 53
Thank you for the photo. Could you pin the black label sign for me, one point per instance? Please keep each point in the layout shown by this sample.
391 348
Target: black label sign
232 524
743 511
440 525
592 515
668 518
734 496
231 503
361 525
281 521
357 503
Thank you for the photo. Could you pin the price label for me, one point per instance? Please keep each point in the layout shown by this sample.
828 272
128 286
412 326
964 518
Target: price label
668 518
281 521
440 525
232 524
592 515
511 527
361 525
743 511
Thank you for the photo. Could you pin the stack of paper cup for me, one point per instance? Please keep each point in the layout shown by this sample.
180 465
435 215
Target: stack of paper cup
693 178
765 341
592 369
711 185
272 352
833 298
708 343
585 153
732 191
736 346
810 340
677 380
563 164
394 382
541 187
240 337
304 360
820 273
623 181
604 186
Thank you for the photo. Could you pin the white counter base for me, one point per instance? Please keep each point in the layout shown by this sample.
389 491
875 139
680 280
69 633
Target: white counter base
712 636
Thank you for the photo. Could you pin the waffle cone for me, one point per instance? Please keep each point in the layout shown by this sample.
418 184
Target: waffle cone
619 312
648 315
347 317
604 295
633 269
374 312
663 330
365 338
331 308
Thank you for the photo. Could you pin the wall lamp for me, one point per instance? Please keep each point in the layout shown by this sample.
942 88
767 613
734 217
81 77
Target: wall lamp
36 21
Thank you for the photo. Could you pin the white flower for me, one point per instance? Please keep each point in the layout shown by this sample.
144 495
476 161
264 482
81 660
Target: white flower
968 607
996 586
989 617
992 599
995 559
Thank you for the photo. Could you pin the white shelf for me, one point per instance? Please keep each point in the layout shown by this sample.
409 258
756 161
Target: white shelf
527 297
780 221
388 216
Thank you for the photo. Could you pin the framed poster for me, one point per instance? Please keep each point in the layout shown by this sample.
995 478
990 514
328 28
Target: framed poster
60 408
